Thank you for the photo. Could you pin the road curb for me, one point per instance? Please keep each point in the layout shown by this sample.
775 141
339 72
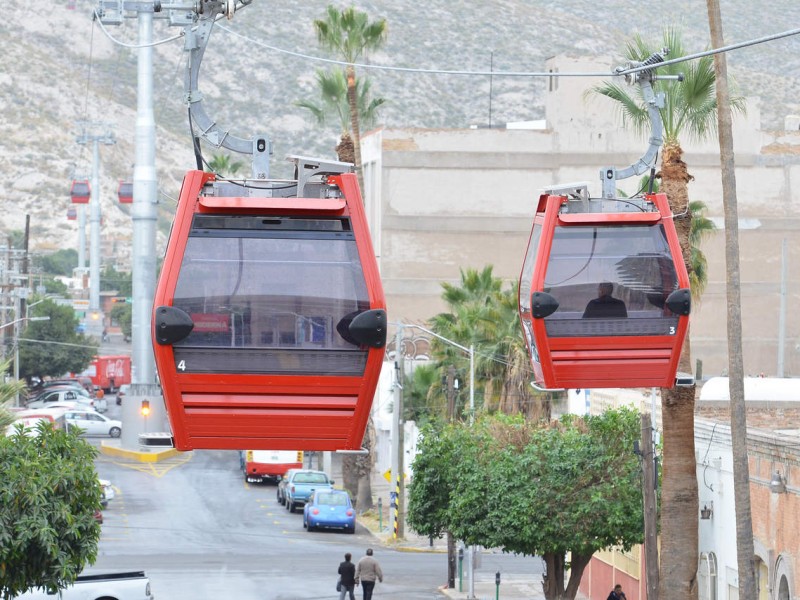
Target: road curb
147 456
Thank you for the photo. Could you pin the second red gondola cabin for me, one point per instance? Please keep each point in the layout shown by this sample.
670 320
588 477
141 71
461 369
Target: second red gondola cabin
604 295
269 323
80 192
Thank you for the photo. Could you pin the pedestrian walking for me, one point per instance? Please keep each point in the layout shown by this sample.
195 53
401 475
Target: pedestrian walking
617 593
368 571
347 577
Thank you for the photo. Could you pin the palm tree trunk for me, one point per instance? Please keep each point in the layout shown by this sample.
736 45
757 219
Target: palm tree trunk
679 501
351 100
745 551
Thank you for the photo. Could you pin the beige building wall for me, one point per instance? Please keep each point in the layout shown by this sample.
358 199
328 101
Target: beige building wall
444 200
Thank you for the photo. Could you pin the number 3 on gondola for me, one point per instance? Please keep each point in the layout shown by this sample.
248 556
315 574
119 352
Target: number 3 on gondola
269 320
604 295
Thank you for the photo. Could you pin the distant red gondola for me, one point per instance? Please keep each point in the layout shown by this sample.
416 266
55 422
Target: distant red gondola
80 192
125 192
269 323
72 213
604 294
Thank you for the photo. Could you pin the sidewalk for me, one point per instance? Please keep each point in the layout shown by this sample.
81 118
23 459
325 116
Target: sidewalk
529 588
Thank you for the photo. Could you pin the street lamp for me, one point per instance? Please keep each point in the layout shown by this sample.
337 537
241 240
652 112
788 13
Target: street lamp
16 322
470 351
395 434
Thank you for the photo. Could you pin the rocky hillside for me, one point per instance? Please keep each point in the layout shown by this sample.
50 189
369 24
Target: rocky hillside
60 68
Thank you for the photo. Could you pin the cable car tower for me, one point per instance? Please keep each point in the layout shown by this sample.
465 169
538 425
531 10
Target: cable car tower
604 295
269 322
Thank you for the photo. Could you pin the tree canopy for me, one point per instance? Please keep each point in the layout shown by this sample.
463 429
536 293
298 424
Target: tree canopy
53 348
500 482
49 493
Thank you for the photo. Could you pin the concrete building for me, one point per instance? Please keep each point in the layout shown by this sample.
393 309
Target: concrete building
443 200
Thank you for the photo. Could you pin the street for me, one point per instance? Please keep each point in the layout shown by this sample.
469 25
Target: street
201 532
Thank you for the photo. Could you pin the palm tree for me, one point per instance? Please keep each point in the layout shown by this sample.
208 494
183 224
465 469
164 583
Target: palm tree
481 313
334 103
350 34
700 228
690 109
224 165
8 393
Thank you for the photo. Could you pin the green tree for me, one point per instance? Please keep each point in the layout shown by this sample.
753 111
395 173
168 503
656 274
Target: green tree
112 280
49 493
480 313
61 262
334 103
122 314
9 388
495 484
350 34
690 110
53 348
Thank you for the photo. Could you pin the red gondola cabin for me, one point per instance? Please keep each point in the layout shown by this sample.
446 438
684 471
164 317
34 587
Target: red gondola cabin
604 294
80 192
125 192
269 323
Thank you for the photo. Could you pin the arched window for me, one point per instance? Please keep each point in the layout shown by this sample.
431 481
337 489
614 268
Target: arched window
783 589
707 576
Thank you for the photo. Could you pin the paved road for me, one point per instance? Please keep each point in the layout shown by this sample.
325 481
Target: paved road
193 524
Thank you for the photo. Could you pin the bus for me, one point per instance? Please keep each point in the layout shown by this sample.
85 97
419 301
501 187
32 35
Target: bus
269 465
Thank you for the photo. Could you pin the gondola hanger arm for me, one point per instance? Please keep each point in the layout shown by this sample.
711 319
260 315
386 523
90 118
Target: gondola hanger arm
653 102
196 39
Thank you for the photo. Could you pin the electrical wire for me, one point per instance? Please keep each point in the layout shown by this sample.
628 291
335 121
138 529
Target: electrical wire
96 18
492 73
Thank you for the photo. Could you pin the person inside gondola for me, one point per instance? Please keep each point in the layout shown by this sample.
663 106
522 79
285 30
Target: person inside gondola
605 306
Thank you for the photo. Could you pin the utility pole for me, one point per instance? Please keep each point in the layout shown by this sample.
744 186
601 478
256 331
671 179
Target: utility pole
648 457
451 416
143 210
96 133
397 441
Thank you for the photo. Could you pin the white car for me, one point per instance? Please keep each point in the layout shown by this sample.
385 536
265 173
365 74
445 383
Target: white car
49 398
93 423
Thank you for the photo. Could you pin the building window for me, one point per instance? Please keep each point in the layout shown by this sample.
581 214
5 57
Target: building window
707 574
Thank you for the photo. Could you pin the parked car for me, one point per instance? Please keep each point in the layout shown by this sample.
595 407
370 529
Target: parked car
282 483
75 387
47 398
300 485
330 509
93 423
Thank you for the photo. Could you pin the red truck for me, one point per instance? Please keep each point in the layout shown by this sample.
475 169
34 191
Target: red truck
110 372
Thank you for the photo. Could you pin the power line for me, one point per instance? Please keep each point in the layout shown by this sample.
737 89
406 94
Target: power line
493 73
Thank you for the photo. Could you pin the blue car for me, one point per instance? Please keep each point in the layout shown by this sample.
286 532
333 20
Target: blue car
330 509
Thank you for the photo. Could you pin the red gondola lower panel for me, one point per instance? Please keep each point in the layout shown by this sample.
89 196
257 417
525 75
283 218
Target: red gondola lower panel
269 324
604 294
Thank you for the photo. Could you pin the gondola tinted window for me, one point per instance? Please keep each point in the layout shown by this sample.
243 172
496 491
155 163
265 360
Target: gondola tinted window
275 292
610 280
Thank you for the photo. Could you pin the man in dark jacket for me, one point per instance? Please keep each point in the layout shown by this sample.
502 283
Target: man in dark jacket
617 593
347 575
